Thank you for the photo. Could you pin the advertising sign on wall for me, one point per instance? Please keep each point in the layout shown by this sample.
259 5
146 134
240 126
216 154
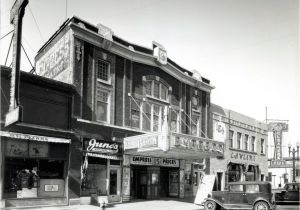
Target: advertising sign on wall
219 131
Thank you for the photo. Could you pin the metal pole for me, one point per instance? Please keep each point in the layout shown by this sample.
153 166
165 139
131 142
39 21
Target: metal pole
294 166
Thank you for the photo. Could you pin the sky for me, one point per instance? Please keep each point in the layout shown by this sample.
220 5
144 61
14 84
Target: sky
248 49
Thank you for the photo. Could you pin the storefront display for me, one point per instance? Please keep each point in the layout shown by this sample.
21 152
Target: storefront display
28 164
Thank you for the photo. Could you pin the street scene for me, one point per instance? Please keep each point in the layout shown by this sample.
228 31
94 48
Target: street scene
149 105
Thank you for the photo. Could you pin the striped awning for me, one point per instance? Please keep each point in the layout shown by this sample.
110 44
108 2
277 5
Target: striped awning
31 137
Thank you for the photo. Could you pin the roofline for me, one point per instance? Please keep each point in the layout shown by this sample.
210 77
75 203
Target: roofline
115 37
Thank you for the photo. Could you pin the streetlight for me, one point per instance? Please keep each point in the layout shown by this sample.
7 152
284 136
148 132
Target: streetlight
293 151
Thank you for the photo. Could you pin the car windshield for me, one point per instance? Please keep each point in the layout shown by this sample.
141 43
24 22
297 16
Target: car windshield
236 188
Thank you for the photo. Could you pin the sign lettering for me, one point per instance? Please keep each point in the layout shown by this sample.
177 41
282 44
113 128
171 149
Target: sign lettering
241 156
99 146
141 160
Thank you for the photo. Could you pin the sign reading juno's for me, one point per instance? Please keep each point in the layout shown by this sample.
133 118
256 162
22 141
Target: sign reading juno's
101 146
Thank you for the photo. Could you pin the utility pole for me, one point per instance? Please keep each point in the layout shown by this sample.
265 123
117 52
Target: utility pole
293 151
16 16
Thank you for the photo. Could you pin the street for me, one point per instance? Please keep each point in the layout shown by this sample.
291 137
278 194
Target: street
148 205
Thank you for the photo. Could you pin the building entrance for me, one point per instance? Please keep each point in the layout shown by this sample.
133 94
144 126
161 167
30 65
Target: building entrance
153 182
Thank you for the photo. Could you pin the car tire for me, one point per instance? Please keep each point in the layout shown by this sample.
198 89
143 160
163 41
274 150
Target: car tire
210 205
261 205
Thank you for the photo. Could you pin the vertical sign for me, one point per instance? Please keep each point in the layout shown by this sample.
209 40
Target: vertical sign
16 17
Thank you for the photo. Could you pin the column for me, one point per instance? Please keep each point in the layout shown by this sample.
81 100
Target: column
181 179
126 179
242 176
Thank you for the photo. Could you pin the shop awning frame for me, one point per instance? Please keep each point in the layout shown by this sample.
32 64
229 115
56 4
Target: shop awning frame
31 137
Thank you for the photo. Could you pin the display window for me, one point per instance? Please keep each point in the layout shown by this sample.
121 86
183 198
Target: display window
27 164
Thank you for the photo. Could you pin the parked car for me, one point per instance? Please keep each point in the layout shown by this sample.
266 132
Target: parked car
289 194
242 195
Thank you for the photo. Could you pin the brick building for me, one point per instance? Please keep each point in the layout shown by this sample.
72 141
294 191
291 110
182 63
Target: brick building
141 121
245 155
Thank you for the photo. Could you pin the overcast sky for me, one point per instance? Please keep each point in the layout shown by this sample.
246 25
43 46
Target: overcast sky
249 49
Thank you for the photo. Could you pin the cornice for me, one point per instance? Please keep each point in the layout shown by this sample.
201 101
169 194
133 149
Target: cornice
135 56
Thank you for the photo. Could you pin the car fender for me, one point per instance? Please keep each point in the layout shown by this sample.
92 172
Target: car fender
218 202
262 199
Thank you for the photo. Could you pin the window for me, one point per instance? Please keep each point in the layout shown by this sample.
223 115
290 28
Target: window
253 144
252 188
156 118
102 105
236 188
262 146
246 139
231 132
147 118
174 121
103 71
238 140
195 125
135 114
156 89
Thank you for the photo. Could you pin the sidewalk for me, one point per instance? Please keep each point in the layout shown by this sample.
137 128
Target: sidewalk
135 205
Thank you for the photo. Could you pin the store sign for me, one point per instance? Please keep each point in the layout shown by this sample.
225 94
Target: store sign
100 146
57 61
51 188
278 163
242 156
166 162
141 142
219 131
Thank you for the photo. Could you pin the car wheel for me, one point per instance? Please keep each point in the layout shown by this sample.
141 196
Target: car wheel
261 205
210 205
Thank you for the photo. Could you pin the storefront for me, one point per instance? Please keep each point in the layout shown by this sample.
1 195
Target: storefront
101 170
153 178
34 166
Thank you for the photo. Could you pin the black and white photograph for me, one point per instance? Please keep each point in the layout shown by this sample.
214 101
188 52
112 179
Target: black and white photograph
150 104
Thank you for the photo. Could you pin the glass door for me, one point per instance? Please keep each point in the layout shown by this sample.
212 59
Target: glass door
114 184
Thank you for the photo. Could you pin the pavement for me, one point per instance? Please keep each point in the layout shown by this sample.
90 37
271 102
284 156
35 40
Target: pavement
133 205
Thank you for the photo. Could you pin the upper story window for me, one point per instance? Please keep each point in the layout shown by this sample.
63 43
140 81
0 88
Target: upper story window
156 89
103 71
246 139
231 132
262 146
238 140
252 144
195 124
102 105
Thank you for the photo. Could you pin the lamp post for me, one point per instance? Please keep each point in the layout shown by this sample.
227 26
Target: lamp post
293 151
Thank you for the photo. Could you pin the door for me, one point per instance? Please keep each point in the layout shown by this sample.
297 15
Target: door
173 183
236 194
114 184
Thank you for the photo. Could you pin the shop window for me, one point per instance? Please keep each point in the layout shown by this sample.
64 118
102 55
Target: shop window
253 144
238 140
102 105
262 146
252 188
231 132
103 71
246 139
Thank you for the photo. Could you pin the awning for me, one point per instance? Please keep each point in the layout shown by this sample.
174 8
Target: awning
111 157
31 137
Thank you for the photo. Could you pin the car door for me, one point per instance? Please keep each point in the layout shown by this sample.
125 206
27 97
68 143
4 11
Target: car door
236 194
252 192
292 193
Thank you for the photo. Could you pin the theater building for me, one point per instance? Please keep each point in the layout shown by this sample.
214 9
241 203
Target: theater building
34 157
145 117
245 157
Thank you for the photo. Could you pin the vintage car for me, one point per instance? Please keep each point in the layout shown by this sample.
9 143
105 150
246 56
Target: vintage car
242 195
289 194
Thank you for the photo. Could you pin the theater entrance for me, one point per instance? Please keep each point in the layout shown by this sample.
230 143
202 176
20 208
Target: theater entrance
154 182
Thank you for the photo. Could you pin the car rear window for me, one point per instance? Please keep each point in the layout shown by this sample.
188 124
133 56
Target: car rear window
252 188
236 188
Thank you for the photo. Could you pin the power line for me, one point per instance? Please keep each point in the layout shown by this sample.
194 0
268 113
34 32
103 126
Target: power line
36 24
27 56
9 49
6 34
